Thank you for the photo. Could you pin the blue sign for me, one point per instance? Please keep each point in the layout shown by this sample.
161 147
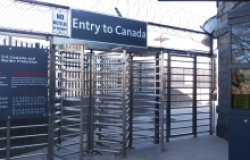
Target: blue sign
23 82
102 28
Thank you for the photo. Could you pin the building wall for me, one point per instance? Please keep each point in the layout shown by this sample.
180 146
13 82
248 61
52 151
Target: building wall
223 34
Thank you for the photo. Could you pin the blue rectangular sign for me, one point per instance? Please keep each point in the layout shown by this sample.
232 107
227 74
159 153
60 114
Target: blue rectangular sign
102 28
23 82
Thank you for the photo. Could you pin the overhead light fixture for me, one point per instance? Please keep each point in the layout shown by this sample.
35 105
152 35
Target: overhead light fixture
161 39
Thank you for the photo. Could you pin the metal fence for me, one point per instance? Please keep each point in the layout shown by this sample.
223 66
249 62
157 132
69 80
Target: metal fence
189 81
112 100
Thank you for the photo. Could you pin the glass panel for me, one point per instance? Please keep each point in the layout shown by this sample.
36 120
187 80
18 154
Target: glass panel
241 88
241 43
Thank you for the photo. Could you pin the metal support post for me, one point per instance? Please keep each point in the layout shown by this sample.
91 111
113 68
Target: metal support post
91 105
162 92
157 99
82 102
52 85
194 109
168 109
10 40
59 141
212 87
124 109
8 139
100 80
211 100
211 45
140 77
63 94
8 125
131 101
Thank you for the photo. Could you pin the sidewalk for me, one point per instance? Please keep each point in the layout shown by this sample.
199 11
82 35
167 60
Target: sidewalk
201 148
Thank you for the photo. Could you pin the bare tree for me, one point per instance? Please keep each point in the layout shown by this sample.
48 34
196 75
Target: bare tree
241 44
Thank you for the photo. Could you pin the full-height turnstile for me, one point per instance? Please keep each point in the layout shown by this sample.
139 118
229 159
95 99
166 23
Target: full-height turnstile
111 102
70 111
147 99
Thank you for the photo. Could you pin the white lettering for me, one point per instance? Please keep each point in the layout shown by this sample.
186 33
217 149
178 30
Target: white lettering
129 32
104 28
86 25
81 25
75 23
119 30
97 29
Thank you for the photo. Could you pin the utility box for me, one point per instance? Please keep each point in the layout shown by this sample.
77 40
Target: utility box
239 117
239 137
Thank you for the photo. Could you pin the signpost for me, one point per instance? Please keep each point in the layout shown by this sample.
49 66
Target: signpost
23 82
108 29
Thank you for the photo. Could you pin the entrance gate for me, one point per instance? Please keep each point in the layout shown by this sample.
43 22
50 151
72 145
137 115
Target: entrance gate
111 101
103 101
146 99
71 102
181 107
189 84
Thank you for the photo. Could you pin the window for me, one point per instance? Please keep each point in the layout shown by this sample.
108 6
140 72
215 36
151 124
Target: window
241 88
241 43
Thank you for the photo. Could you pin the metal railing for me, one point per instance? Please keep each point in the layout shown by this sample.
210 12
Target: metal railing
111 101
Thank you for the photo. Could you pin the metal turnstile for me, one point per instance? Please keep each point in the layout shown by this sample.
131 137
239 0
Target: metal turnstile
111 102
147 99
108 102
72 102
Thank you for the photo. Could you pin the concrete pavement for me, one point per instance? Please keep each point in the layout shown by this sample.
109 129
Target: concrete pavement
201 148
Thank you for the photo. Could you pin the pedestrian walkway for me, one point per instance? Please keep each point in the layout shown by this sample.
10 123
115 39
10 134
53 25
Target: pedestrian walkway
201 148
